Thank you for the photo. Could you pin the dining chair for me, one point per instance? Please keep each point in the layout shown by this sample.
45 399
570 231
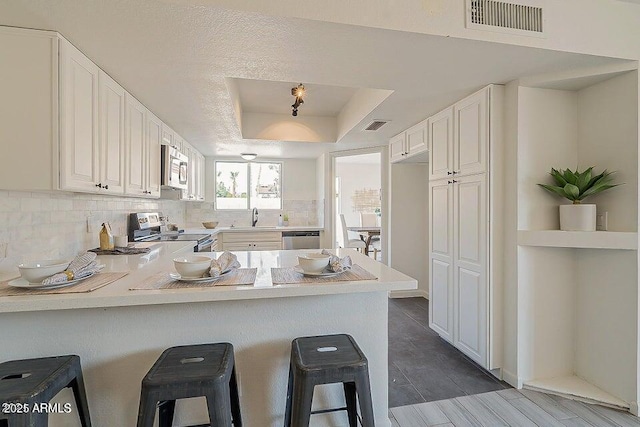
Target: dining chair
350 243
368 220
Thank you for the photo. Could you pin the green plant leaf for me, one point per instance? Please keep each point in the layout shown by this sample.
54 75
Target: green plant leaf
558 177
569 176
583 179
598 188
572 192
554 189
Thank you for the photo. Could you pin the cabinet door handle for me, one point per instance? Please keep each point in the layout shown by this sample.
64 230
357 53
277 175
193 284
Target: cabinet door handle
449 173
455 172
106 187
454 181
99 185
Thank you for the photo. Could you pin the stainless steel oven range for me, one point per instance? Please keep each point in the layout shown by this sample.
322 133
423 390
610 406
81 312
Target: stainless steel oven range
146 226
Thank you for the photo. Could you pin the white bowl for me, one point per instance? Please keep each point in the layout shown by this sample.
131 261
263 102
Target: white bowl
313 263
192 266
37 271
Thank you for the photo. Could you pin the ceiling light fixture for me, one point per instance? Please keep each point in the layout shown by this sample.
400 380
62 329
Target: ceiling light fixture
298 92
248 156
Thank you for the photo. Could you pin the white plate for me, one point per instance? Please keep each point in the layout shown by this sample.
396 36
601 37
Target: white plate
176 276
22 283
325 273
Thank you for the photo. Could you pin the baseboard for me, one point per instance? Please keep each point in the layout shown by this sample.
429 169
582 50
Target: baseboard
511 378
409 294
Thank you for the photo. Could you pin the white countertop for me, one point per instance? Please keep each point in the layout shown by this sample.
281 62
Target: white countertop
117 294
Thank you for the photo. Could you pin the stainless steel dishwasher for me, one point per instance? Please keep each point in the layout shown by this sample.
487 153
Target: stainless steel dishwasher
301 239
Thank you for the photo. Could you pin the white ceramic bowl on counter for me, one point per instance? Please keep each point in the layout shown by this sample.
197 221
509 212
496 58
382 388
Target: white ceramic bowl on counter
192 266
37 271
313 263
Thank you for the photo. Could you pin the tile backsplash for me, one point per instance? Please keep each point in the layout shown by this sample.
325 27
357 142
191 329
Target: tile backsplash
54 224
301 212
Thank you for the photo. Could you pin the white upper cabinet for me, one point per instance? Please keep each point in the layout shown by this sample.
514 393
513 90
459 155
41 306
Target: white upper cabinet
167 135
112 143
409 143
79 144
397 147
202 169
136 152
441 144
179 144
416 141
471 129
154 142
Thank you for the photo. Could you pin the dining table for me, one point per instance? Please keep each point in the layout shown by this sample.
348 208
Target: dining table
366 234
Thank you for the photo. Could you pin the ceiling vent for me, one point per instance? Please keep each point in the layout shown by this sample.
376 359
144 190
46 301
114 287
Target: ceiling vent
376 124
516 18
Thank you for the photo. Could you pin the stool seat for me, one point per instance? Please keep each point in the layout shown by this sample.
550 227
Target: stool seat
327 359
192 365
35 381
183 372
322 352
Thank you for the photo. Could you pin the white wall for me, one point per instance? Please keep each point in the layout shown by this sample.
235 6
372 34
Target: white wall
46 225
608 139
547 137
409 231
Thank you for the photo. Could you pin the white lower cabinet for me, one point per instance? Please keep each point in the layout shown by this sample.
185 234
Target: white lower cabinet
441 259
458 253
252 241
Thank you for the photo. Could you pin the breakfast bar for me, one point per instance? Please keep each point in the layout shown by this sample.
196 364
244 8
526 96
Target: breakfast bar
119 333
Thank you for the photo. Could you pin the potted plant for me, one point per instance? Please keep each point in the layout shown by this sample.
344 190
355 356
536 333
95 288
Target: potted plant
285 220
576 186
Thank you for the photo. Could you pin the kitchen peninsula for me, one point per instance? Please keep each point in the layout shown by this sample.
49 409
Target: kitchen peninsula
119 333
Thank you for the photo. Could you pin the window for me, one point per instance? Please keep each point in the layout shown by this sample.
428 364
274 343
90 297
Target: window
241 185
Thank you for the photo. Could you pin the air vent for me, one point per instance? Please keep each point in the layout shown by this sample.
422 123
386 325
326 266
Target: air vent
376 124
506 17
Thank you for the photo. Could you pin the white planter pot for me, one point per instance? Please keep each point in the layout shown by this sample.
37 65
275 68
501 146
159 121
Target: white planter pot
578 217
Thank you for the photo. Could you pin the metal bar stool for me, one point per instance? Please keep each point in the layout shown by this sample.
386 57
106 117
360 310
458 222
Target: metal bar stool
30 382
192 371
327 359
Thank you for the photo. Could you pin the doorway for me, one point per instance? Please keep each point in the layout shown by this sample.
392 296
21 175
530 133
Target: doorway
358 199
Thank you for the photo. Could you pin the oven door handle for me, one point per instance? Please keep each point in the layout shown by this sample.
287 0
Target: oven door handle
206 243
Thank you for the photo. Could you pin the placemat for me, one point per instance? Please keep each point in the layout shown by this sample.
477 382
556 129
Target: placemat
242 276
129 250
281 276
88 285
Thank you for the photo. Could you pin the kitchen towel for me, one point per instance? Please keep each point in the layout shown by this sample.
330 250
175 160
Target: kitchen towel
82 266
280 276
241 276
87 285
337 264
225 262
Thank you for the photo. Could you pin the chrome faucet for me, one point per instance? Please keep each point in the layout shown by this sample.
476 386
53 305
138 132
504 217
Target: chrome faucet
254 217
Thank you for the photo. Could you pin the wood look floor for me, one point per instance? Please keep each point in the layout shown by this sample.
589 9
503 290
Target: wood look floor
510 407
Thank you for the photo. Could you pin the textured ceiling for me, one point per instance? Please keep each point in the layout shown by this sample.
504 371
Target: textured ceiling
175 57
261 96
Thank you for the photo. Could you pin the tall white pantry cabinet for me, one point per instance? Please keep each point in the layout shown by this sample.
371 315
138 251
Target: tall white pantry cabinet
464 225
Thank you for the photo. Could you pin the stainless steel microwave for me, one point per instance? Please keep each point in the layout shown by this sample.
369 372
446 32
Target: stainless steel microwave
175 168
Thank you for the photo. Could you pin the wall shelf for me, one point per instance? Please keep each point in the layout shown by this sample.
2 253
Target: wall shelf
573 387
579 239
